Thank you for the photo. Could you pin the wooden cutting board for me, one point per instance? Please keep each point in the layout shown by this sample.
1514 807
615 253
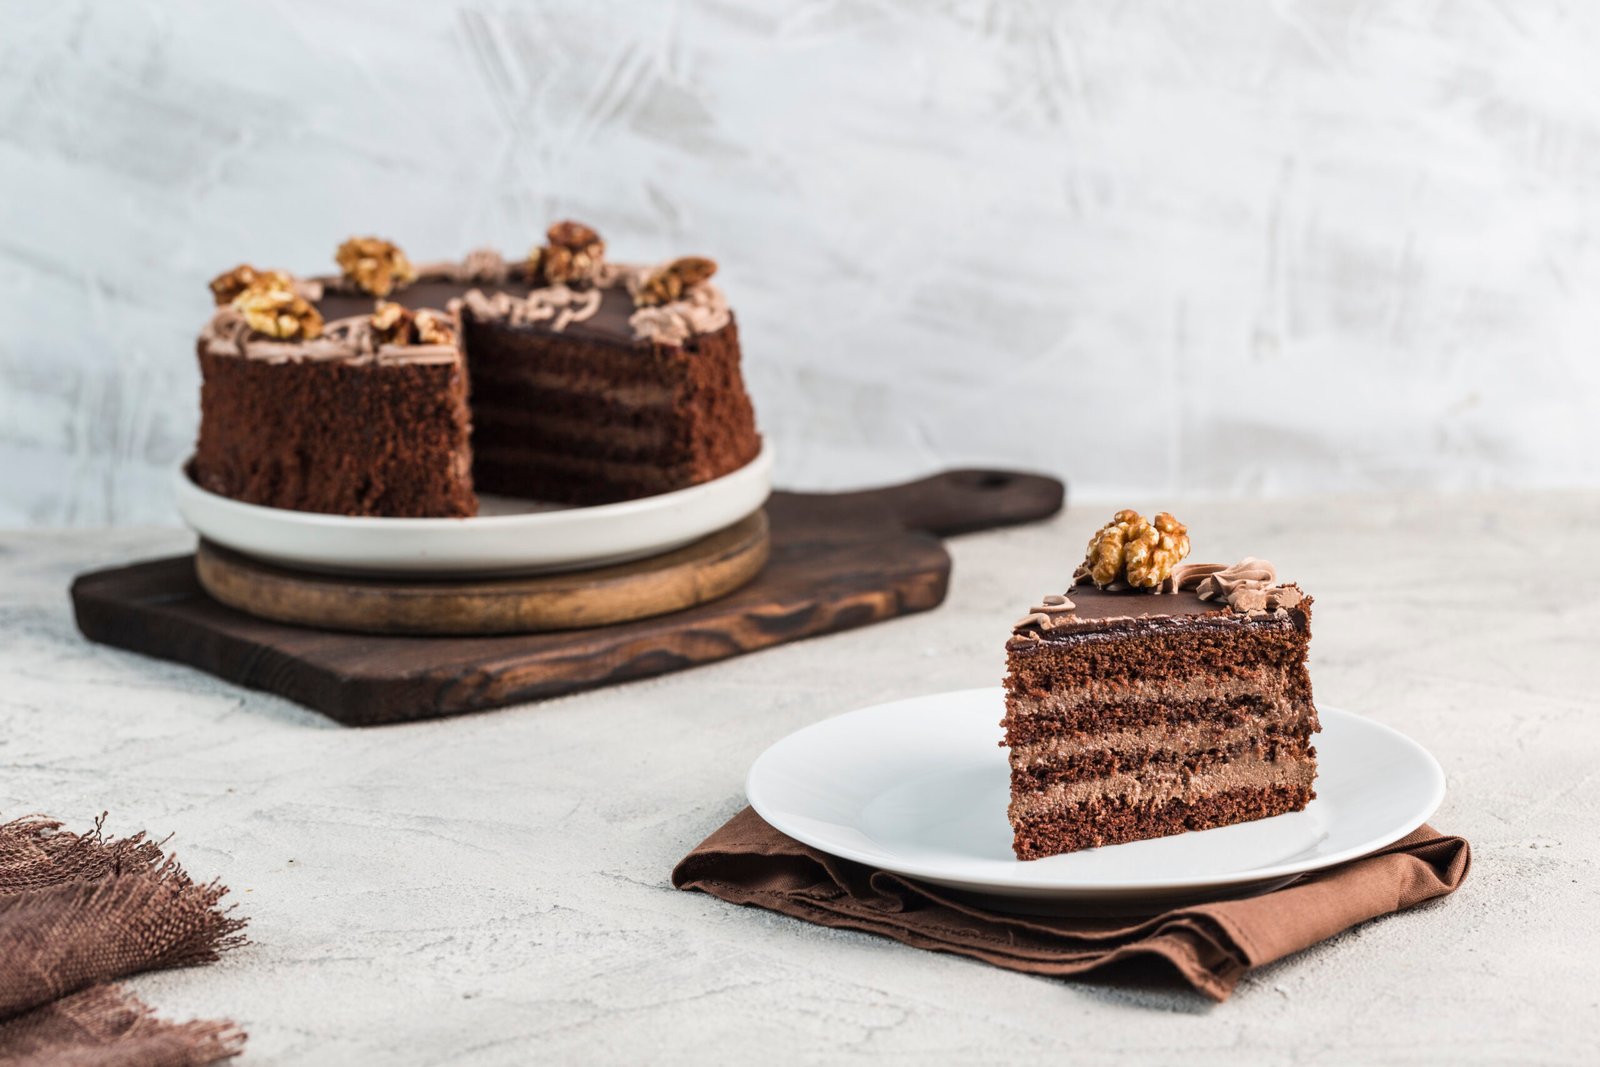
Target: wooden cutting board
838 561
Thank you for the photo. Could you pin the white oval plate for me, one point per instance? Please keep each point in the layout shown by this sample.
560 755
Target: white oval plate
510 537
919 787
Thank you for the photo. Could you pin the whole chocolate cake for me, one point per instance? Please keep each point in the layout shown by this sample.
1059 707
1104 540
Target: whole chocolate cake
1157 696
397 390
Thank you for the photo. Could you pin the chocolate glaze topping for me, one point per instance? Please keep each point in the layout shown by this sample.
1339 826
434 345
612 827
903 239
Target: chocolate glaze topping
505 289
1246 590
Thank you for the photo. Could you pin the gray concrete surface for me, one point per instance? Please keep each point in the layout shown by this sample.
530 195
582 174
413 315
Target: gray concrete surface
494 889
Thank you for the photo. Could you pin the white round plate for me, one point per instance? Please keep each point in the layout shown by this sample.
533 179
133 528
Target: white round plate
919 787
509 536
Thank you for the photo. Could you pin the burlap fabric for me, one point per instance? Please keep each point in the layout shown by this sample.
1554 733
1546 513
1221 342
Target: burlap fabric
78 911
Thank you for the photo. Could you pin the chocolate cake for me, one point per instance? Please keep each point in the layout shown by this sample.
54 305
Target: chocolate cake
585 382
1157 696
344 422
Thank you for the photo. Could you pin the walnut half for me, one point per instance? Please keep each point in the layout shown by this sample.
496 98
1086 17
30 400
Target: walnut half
229 284
375 265
573 253
273 308
393 324
668 283
434 329
1135 551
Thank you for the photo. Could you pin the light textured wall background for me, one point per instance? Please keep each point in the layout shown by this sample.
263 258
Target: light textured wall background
1163 248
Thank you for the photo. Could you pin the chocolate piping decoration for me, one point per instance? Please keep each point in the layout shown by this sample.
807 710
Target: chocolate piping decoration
701 310
1043 615
349 340
1249 586
559 305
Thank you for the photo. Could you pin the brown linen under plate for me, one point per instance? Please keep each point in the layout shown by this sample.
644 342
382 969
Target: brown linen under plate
77 911
1209 945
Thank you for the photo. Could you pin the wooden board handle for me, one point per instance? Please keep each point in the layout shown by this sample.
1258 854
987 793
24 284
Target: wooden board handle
964 501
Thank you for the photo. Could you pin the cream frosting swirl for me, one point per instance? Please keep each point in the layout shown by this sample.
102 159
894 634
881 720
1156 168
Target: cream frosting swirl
1044 614
349 340
1249 586
558 305
702 309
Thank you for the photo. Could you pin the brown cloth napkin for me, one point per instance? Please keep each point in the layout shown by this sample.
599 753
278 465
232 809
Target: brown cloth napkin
1209 945
77 911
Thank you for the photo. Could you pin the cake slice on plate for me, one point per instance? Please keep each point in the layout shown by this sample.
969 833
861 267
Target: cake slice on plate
1157 696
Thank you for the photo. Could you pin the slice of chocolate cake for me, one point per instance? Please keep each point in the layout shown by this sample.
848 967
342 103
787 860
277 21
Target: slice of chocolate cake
366 416
1156 697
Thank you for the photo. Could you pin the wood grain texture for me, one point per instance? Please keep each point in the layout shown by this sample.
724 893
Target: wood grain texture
710 568
837 562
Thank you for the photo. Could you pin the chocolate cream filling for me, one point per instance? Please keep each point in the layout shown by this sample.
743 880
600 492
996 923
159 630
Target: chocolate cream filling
1285 720
1168 784
1097 693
